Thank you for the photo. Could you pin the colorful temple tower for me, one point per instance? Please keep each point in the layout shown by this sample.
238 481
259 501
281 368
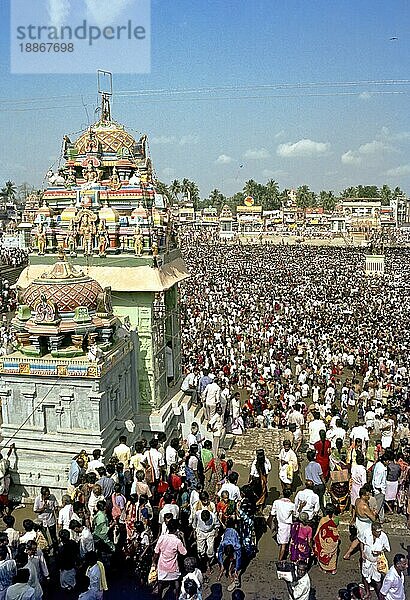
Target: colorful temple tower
102 236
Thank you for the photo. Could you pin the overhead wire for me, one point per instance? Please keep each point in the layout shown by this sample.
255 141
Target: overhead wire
235 92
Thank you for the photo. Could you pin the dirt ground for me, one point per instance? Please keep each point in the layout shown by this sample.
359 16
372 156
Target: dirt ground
259 582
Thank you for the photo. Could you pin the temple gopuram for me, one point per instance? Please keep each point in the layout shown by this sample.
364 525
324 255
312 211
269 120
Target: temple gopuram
97 350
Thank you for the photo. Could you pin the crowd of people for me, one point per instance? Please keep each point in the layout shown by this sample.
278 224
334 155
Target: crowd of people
10 257
166 514
13 257
321 353
294 341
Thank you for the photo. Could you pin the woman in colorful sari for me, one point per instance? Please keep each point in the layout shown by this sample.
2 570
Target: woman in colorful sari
215 472
131 515
323 449
101 528
260 469
300 547
327 540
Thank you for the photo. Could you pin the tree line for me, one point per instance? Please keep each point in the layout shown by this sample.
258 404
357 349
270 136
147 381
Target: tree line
267 195
271 197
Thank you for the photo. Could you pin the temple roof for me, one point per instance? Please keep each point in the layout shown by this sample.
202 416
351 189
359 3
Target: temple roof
111 135
65 286
124 279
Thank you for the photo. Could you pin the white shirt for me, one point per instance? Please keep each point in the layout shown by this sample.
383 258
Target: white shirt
314 428
168 508
255 472
171 456
312 505
283 509
154 459
49 506
334 434
188 383
216 424
369 418
301 588
192 439
379 478
393 585
93 465
65 515
212 394
232 489
359 433
86 542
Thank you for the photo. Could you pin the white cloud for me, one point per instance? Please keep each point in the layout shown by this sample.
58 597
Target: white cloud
104 13
188 140
163 139
257 154
269 173
351 158
365 96
399 171
373 148
302 148
58 11
224 159
168 172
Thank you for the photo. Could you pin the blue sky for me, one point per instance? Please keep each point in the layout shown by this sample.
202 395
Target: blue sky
327 136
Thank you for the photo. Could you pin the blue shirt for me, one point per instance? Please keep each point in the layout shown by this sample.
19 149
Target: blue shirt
313 471
203 382
230 538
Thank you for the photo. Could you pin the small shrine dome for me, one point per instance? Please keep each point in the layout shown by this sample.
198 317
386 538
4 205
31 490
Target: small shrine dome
139 213
68 213
108 214
44 211
66 287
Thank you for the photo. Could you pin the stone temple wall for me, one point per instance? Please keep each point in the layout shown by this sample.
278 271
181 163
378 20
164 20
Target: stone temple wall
53 418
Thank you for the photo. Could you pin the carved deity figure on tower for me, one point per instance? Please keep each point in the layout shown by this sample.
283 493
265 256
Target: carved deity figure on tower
102 237
41 239
86 228
115 182
90 175
138 242
71 238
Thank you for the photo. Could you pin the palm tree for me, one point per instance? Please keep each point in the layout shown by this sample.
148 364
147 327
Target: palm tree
397 192
386 195
175 189
327 200
349 192
304 197
163 189
217 199
251 188
193 190
272 195
9 191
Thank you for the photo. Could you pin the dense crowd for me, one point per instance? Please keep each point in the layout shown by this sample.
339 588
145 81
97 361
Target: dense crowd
10 257
293 340
13 257
321 352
